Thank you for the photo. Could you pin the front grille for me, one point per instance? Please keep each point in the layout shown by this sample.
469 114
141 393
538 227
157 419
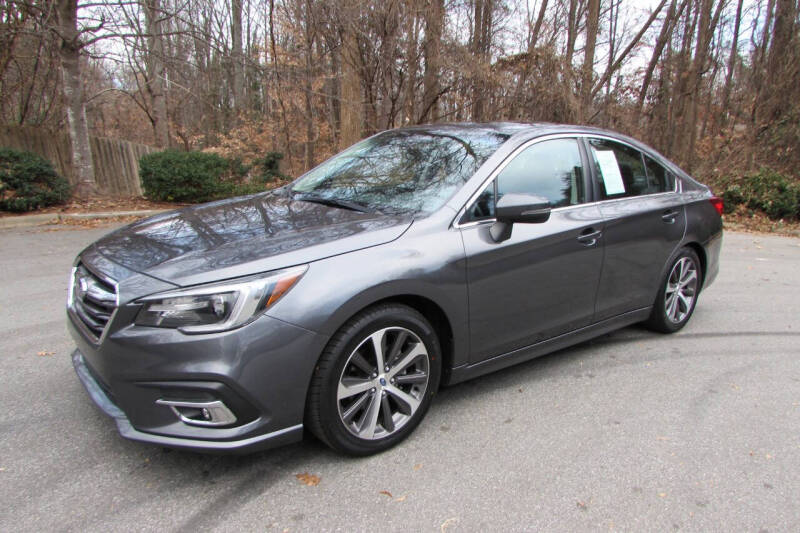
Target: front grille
93 300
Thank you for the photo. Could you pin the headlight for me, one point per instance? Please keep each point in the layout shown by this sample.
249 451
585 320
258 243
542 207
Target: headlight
217 306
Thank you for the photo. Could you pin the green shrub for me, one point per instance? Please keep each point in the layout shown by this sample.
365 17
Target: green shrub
28 181
191 177
768 191
268 168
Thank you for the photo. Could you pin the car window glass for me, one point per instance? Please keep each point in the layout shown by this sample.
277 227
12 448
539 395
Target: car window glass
550 169
483 207
412 170
620 170
659 179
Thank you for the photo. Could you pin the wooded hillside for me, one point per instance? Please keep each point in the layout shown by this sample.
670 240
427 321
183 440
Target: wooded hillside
713 84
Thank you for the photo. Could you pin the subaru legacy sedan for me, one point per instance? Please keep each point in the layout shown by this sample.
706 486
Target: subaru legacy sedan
419 257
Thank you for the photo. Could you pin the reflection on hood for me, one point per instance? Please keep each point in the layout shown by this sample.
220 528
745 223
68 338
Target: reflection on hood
241 230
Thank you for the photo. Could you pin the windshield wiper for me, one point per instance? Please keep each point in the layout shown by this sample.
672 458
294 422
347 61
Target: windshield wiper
333 202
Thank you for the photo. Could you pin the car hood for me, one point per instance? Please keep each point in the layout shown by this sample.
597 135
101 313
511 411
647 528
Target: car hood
244 236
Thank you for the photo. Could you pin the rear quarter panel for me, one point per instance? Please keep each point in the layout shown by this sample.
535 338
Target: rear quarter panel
704 226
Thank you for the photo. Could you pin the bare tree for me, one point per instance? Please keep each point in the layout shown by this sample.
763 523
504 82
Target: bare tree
156 72
66 14
236 54
587 71
434 24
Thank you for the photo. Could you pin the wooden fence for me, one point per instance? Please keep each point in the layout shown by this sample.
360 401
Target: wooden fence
116 162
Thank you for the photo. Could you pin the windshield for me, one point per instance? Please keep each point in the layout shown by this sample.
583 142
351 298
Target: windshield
402 170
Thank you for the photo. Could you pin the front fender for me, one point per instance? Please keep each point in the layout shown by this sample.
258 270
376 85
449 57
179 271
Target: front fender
428 265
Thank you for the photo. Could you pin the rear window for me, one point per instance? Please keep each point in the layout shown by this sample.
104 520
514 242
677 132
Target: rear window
659 179
624 171
619 168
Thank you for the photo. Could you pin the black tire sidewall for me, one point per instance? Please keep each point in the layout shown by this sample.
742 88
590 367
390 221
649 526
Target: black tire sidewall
659 319
348 339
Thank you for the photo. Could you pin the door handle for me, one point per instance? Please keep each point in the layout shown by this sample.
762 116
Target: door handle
669 216
589 236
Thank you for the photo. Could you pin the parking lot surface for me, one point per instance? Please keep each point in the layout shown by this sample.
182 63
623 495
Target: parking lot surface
698 431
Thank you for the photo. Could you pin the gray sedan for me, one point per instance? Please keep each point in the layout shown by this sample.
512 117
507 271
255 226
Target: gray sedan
418 257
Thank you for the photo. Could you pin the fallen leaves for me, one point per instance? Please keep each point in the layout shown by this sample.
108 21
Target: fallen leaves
45 353
389 494
754 222
447 523
99 222
308 479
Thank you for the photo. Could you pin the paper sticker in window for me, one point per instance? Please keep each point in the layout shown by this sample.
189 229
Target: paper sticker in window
612 179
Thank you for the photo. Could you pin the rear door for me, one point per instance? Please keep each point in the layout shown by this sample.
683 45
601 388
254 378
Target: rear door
542 281
644 222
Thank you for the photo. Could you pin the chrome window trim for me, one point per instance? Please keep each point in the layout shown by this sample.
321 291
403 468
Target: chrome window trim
461 212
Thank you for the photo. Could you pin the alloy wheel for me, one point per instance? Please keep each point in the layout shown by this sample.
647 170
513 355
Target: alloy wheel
681 290
383 383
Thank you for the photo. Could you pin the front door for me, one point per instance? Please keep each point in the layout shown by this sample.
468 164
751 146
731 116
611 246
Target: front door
542 281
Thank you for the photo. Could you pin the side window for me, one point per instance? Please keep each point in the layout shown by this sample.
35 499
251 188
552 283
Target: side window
550 169
659 179
483 208
620 169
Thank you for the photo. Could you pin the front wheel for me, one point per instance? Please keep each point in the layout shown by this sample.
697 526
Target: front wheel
375 380
677 296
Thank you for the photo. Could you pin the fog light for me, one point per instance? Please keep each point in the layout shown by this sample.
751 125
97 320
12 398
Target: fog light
198 413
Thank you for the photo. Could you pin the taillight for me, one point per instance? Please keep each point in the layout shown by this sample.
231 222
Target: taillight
716 201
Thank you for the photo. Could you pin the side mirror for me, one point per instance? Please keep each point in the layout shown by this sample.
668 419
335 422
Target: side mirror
518 208
522 208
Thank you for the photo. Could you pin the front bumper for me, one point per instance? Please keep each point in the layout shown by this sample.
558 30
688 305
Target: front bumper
96 393
261 371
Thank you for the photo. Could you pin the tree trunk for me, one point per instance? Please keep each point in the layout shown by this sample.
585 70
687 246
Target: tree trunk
778 60
387 66
592 23
412 67
434 22
81 152
309 77
615 64
236 54
481 48
705 32
572 33
156 72
537 27
757 81
352 107
665 35
726 91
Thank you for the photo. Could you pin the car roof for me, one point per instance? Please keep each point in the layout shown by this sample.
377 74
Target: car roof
531 129
537 129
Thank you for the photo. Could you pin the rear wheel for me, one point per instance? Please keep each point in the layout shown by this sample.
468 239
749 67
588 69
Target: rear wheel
375 380
678 294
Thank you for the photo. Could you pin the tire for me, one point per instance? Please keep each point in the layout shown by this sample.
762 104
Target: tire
359 409
676 301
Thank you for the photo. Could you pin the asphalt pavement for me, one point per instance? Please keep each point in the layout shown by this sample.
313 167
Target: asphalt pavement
634 431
